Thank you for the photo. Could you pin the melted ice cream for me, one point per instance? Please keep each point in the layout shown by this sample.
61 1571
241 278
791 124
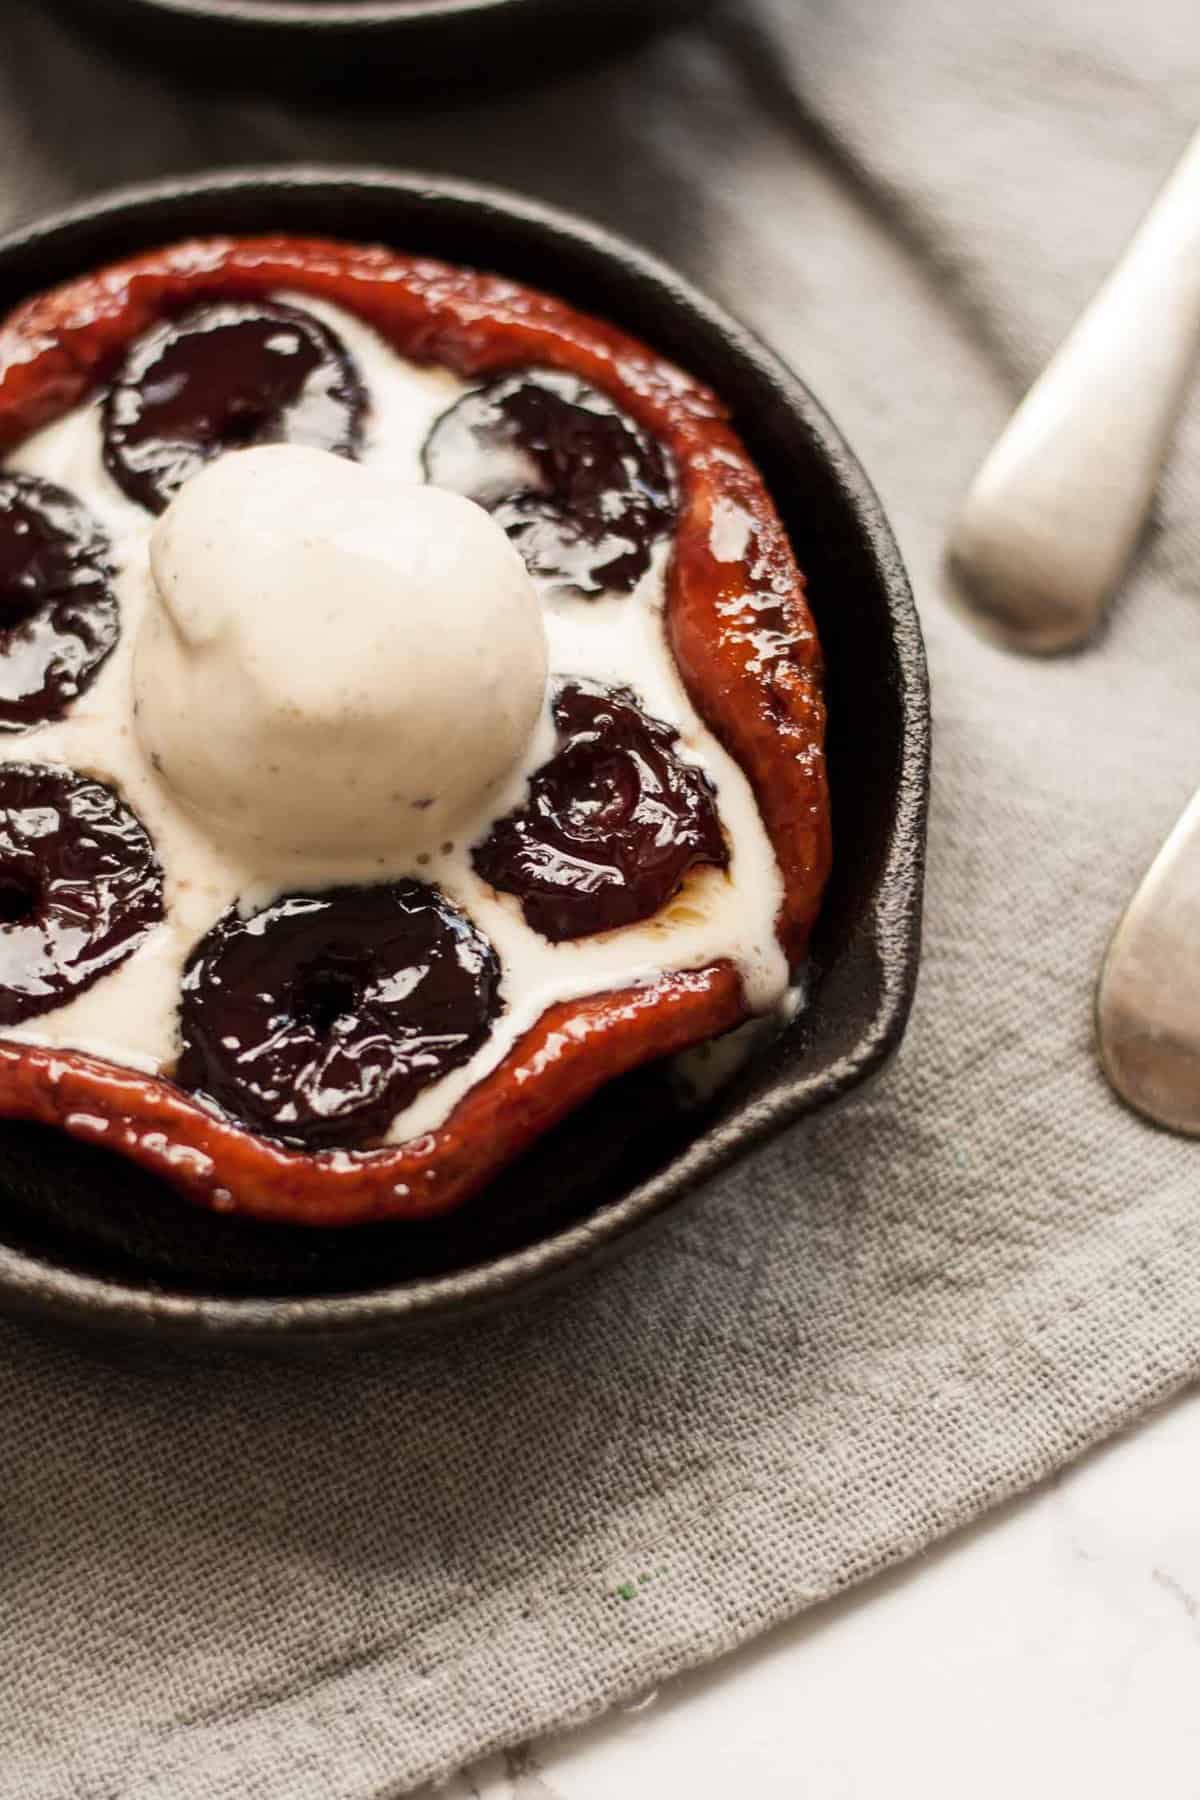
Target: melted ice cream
130 1017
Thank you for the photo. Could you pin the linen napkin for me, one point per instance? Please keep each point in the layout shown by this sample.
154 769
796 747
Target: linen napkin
231 1581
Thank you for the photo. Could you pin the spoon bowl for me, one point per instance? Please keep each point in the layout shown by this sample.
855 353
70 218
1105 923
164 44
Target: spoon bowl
1147 1001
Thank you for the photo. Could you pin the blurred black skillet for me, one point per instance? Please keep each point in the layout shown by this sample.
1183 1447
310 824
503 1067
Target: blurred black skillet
423 48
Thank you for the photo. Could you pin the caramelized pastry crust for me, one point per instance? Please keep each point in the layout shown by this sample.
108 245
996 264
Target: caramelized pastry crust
737 622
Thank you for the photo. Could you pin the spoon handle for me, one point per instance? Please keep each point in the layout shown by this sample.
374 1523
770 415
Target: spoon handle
1055 512
1148 997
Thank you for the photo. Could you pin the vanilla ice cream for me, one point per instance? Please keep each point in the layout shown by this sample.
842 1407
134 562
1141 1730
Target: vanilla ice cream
332 662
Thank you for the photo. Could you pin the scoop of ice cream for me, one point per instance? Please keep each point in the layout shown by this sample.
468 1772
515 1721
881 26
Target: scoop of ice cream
332 663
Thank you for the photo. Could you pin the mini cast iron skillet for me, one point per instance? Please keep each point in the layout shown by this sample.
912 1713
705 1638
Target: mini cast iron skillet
416 44
85 1237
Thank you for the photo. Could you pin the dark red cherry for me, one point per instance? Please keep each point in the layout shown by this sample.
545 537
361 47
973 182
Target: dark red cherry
80 886
613 822
58 612
321 1017
581 489
222 377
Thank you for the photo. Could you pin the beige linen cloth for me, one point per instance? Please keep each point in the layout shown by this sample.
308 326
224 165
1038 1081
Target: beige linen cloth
240 1582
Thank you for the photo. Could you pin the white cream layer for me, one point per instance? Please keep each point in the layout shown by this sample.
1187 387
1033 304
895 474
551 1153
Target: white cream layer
130 1016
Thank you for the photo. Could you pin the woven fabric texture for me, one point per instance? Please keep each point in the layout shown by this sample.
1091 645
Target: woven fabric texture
247 1582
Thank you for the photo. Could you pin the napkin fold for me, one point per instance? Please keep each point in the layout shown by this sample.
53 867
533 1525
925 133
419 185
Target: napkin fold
236 1581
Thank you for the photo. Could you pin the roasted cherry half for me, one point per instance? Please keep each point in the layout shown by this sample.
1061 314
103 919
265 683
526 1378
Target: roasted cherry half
80 886
583 492
613 822
222 377
58 612
318 1019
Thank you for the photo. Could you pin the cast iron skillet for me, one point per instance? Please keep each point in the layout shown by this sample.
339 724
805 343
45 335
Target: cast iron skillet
85 1237
414 44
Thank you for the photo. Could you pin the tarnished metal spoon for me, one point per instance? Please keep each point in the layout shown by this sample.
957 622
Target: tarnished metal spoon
1148 996
1055 512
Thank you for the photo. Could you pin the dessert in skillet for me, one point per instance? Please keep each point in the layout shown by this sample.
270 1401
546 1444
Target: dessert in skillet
411 719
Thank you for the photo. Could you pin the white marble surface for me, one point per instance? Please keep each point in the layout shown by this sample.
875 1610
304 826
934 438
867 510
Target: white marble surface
1054 1649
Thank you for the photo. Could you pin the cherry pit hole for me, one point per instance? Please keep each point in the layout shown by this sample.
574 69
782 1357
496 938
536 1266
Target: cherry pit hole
244 425
18 603
325 994
19 900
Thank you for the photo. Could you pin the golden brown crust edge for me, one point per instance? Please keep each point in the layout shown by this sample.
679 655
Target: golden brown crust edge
740 629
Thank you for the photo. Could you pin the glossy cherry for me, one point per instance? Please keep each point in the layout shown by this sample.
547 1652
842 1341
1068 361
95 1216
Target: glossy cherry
581 489
221 377
613 823
319 1018
58 612
80 886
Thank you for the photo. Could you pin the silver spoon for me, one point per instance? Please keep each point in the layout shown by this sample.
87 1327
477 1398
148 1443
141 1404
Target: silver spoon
1148 996
1053 515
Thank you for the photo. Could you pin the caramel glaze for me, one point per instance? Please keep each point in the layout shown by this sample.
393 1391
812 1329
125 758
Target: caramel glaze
740 630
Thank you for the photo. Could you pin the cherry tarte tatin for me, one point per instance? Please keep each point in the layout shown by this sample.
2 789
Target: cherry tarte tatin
622 449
